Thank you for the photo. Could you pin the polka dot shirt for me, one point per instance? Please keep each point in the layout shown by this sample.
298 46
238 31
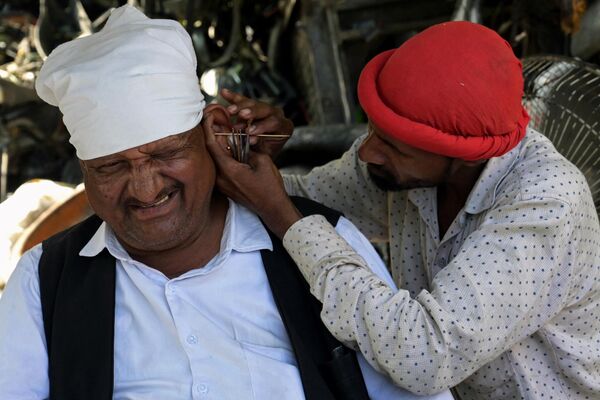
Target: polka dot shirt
506 305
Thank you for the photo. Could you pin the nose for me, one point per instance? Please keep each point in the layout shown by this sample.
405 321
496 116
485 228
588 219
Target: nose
369 151
145 182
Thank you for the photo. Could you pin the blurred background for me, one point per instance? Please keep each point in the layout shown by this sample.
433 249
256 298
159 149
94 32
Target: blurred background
302 55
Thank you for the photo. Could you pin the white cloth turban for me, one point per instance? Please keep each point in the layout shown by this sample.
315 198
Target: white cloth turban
132 83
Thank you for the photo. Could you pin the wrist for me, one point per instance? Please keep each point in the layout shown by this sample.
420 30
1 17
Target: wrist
280 218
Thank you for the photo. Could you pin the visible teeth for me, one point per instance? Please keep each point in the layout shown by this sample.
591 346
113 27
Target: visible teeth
158 202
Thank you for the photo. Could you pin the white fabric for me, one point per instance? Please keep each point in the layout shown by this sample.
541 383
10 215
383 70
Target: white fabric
19 212
132 83
213 332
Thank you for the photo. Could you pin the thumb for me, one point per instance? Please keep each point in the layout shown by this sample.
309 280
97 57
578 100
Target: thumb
259 160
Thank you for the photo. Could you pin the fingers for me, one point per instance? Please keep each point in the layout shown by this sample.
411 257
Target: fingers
222 158
258 118
260 162
232 97
257 110
249 109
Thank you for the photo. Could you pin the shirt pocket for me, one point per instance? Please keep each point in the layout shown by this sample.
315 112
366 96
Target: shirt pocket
273 372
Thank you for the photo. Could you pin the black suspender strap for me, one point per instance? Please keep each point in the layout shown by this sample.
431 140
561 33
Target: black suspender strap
328 369
78 306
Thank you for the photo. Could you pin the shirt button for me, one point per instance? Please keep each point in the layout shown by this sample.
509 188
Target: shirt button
192 339
202 388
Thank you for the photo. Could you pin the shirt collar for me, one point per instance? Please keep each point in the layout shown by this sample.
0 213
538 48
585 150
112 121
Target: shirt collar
483 194
243 232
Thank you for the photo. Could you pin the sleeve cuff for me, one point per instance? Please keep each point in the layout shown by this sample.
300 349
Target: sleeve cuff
311 240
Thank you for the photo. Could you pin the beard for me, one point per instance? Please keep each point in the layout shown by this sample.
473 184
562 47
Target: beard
386 181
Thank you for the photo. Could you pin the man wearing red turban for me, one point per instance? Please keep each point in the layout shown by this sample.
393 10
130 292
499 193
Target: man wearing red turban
493 236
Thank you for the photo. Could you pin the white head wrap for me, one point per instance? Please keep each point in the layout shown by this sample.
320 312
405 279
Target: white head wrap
132 83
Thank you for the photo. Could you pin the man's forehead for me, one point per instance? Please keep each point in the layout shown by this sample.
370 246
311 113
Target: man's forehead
172 140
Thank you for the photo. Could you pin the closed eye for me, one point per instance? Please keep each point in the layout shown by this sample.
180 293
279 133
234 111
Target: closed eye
169 154
110 167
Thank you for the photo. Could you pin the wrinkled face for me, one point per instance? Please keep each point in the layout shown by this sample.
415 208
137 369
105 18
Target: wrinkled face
157 196
393 165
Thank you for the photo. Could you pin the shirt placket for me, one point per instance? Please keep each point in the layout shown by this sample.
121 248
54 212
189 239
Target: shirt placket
188 337
193 341
425 201
444 252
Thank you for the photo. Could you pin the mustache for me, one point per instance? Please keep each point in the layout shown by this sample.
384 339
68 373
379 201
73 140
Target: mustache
377 170
133 202
386 181
381 178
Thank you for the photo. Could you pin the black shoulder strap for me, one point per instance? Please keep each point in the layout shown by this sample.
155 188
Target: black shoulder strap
78 301
327 368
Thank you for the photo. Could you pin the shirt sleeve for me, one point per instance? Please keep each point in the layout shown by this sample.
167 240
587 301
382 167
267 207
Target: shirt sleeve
343 184
23 355
379 386
439 338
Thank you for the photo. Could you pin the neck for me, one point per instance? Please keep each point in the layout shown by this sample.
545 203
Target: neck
453 193
195 253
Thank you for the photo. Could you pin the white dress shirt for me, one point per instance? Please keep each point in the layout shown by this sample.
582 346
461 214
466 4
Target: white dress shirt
211 333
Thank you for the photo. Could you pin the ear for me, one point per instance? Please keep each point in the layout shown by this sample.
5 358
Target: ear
220 114
82 167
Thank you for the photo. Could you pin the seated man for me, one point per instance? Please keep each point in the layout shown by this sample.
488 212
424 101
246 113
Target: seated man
171 291
493 235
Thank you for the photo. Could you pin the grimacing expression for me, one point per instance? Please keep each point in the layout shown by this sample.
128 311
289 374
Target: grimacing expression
394 166
156 196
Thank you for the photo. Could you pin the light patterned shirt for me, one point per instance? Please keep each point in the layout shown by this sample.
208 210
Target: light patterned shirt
506 305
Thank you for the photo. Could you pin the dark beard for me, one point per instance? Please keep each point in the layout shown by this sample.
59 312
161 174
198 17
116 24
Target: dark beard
385 183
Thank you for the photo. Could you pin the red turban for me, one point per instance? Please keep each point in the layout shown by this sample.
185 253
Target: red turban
454 89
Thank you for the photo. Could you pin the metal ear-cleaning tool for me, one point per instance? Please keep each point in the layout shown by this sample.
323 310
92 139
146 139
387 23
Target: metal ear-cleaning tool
239 142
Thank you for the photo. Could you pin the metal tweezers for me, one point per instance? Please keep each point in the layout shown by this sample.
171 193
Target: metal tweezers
239 142
240 145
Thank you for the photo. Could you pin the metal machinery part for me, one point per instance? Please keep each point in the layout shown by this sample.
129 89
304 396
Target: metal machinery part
562 96
333 40
467 10
586 41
